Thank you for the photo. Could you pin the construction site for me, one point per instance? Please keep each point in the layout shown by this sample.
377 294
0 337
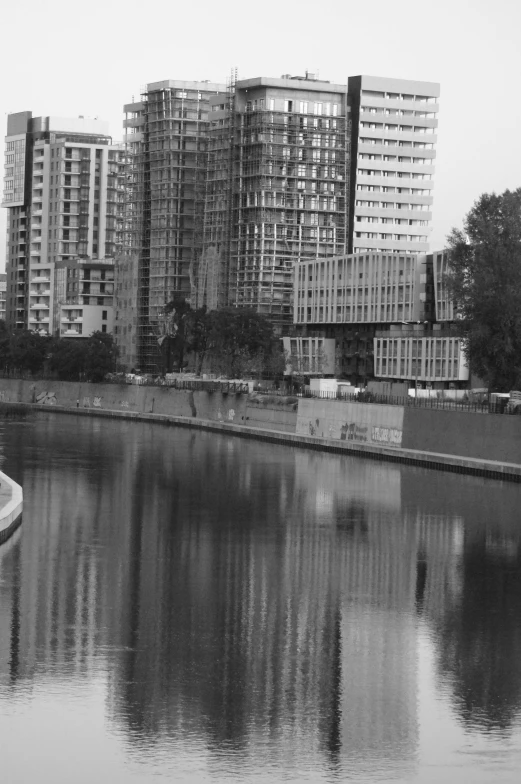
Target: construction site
229 185
166 143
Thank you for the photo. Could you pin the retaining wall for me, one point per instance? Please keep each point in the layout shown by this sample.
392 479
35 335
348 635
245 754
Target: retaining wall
364 423
266 411
485 436
272 413
443 462
488 437
216 406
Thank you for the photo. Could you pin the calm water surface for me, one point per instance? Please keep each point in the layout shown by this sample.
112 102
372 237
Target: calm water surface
191 607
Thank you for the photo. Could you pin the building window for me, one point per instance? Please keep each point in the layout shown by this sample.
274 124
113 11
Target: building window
103 327
104 315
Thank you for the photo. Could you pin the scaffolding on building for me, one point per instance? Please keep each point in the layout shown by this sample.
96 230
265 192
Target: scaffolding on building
168 191
214 281
226 197
277 192
292 204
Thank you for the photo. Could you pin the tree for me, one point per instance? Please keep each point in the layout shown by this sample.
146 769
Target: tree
68 358
178 342
199 336
237 337
184 332
231 341
5 346
485 284
101 355
28 350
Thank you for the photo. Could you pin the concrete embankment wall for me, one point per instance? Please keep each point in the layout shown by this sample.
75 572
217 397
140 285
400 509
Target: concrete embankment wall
364 423
492 437
11 502
420 435
266 411
272 413
487 436
126 397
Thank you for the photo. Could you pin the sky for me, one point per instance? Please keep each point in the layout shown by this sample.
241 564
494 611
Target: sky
64 59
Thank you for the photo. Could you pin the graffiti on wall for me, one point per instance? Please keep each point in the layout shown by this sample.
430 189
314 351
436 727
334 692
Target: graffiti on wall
387 435
353 431
360 432
46 398
230 415
4 397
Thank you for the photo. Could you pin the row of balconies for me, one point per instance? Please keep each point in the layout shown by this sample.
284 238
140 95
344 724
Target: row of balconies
39 292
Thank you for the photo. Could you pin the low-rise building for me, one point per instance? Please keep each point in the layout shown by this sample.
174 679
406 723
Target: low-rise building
390 315
435 360
360 288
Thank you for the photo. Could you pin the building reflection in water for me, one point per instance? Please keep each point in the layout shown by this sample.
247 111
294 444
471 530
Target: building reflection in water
255 598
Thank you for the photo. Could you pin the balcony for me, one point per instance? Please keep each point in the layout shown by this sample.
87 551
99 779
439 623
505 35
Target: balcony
39 306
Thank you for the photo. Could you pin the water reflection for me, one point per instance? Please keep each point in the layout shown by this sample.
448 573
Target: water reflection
258 604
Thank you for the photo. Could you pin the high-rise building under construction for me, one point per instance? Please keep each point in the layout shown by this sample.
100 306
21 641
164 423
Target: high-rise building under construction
166 137
231 185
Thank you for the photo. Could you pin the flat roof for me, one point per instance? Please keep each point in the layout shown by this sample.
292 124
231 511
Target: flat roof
178 84
391 84
292 84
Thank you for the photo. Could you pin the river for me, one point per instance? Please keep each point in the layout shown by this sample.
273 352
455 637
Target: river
189 606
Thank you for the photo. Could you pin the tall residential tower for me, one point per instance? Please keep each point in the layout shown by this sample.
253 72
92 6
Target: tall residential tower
63 187
392 164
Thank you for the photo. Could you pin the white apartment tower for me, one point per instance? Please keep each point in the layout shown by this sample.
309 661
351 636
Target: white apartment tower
392 163
63 183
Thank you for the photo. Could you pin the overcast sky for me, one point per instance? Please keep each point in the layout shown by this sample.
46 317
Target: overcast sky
66 59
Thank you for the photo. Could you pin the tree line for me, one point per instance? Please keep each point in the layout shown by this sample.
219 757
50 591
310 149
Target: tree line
231 342
24 352
485 284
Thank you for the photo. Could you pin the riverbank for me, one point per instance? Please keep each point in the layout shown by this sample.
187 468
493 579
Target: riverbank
495 469
11 503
